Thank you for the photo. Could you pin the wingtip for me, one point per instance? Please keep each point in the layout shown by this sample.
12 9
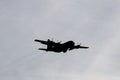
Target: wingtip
36 40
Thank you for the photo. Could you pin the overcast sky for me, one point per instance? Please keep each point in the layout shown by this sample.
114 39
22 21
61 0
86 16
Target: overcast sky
94 23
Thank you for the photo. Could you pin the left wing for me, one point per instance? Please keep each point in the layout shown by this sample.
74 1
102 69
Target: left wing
43 49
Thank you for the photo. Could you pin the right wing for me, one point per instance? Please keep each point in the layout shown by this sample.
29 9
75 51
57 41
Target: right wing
45 42
41 41
48 42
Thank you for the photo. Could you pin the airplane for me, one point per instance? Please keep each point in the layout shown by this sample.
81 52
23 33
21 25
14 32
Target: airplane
58 46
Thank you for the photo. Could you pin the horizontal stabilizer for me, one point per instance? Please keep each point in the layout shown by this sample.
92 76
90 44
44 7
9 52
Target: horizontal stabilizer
84 47
78 46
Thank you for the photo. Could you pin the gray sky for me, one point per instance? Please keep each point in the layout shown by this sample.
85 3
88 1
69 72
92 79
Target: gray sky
94 23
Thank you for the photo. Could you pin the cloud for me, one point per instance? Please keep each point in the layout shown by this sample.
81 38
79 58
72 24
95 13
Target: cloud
94 23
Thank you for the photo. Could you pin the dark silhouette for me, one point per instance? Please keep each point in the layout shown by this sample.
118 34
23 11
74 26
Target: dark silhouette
58 46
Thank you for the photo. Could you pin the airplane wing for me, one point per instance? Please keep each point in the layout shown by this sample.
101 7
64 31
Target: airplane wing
45 42
41 41
43 49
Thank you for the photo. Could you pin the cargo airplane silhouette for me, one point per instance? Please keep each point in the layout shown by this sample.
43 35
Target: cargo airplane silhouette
58 46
